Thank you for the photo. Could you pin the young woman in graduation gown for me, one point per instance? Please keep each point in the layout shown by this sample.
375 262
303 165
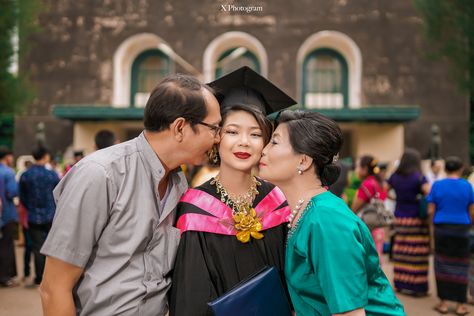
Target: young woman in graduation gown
234 224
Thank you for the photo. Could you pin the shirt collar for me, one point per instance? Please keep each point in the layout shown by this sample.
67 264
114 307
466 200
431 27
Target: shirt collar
156 167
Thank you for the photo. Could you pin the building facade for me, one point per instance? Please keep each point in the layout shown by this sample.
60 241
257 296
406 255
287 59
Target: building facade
361 62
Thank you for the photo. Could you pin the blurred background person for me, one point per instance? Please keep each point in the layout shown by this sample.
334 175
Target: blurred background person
411 245
104 138
435 171
353 183
204 174
451 206
54 166
36 194
78 155
23 220
338 187
372 186
9 219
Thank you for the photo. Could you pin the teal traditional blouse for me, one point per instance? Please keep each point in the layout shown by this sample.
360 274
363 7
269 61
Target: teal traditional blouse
332 265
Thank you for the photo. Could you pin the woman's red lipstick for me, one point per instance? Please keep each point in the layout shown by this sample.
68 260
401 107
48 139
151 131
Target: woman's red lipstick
242 155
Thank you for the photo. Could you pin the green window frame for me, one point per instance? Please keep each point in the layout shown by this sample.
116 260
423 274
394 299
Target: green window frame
141 74
248 58
335 80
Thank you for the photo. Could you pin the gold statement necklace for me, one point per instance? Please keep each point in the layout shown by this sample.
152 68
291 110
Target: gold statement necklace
245 218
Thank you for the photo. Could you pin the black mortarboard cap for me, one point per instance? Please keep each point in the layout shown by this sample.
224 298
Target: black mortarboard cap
246 87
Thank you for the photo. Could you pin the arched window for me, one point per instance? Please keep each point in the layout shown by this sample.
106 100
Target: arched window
235 58
325 80
232 50
148 69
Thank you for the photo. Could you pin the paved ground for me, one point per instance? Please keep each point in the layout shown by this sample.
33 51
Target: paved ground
21 301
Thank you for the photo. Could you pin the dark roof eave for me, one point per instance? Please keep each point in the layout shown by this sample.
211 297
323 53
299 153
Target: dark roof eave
97 113
370 114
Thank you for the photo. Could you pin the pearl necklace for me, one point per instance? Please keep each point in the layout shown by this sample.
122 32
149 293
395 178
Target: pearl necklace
297 209
295 212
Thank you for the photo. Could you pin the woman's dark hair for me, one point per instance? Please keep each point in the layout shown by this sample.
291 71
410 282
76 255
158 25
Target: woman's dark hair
453 164
409 163
176 96
262 121
316 136
373 169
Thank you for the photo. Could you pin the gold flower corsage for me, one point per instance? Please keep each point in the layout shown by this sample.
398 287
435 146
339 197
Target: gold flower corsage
247 225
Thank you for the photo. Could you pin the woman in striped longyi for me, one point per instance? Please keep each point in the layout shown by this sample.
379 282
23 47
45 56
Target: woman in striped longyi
412 242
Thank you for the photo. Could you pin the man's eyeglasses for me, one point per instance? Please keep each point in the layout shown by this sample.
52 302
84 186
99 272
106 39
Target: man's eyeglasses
214 128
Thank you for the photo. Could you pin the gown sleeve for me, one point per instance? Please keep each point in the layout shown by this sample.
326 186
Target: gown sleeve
191 286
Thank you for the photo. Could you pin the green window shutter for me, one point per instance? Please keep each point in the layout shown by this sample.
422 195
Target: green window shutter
226 63
325 80
148 69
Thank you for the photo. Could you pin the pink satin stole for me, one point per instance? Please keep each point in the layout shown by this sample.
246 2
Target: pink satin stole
221 221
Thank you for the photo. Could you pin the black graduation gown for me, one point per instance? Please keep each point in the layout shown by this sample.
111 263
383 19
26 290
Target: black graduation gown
209 264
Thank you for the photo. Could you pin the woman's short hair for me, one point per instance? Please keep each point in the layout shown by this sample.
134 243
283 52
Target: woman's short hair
316 136
453 164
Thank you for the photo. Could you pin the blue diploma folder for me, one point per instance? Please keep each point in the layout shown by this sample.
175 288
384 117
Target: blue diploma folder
261 294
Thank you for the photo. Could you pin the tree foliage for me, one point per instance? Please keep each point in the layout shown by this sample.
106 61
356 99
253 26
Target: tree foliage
449 27
18 20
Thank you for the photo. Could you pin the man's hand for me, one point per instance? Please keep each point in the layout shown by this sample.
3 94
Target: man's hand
59 279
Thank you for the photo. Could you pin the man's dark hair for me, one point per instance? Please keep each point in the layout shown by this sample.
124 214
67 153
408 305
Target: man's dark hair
104 139
5 151
78 153
39 153
176 96
453 164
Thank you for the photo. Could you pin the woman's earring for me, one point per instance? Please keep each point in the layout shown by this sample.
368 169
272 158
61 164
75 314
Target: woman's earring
213 155
300 170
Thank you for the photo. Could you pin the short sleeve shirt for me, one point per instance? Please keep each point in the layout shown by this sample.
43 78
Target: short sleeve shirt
452 198
109 222
332 265
407 188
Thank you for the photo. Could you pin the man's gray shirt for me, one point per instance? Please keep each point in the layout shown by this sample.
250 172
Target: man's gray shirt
108 221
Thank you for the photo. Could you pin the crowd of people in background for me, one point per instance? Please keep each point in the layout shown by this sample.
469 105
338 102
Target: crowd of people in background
27 208
432 210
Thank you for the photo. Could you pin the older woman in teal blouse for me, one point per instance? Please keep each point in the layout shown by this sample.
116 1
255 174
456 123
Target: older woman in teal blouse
331 265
